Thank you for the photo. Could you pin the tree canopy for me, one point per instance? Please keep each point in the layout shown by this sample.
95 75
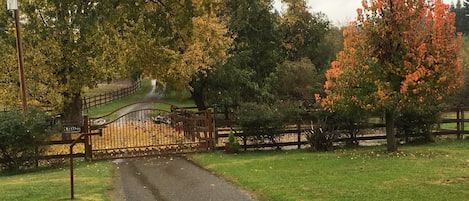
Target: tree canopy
397 54
73 44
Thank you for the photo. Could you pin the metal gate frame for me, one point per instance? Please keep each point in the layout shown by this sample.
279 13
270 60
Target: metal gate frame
146 132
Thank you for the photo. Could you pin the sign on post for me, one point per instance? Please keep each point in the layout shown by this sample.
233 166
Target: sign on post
12 4
69 128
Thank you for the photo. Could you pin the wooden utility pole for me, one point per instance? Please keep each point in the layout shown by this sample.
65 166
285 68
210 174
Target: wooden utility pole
13 5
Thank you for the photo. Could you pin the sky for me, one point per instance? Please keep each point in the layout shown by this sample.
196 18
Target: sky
340 12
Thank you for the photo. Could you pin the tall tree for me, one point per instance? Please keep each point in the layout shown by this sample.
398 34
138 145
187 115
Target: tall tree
305 34
254 55
73 44
462 16
397 54
59 42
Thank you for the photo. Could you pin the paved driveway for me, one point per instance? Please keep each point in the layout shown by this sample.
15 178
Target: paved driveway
170 179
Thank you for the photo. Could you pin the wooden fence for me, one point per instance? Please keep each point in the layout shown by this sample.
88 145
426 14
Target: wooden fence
451 124
89 102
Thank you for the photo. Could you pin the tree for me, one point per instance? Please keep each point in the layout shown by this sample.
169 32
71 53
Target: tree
397 54
462 19
296 81
76 44
255 53
305 34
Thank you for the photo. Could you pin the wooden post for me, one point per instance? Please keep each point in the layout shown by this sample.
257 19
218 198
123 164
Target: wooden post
88 146
298 130
210 127
462 121
458 123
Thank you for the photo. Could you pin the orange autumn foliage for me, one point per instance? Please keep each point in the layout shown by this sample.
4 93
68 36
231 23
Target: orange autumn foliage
396 53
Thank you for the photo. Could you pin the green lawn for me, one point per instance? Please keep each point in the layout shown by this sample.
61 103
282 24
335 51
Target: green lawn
179 99
92 182
430 172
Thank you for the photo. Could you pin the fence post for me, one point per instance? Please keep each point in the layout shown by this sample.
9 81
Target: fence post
298 130
458 124
212 128
462 121
88 146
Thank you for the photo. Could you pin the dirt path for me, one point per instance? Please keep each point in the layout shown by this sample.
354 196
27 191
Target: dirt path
167 179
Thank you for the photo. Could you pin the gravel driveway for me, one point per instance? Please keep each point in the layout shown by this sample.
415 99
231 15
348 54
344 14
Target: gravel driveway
170 179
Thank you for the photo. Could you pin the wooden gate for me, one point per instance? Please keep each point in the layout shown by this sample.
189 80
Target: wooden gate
145 132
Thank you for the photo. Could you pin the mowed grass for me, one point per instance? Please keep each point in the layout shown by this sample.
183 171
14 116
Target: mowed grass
108 108
92 182
180 99
437 171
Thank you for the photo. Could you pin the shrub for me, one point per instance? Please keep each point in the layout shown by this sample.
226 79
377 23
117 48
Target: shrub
416 124
21 138
260 122
323 131
327 126
232 146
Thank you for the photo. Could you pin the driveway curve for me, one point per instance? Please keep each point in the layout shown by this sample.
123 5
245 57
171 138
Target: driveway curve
168 178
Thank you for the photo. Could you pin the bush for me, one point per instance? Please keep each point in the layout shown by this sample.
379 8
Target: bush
232 146
261 122
21 138
416 124
325 128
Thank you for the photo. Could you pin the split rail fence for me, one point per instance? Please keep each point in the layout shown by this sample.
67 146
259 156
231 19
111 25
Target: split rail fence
451 125
89 102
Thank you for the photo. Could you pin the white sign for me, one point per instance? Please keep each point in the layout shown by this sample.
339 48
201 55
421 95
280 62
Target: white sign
71 129
12 4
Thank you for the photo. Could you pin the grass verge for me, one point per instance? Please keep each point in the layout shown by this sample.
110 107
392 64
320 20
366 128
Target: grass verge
92 182
429 172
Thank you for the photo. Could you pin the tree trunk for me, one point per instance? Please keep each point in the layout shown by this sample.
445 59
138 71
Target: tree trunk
73 111
391 131
72 114
198 85
198 98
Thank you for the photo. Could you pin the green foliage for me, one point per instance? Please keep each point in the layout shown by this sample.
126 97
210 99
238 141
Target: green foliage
416 124
262 122
21 138
461 9
232 146
297 81
305 34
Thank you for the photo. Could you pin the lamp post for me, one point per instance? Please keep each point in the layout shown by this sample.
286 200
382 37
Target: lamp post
13 5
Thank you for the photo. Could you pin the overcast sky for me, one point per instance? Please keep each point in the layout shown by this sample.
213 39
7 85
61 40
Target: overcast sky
340 12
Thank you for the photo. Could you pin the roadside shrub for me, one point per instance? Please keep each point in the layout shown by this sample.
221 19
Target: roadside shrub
232 146
21 138
261 123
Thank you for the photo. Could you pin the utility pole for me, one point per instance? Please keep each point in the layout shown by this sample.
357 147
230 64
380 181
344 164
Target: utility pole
13 5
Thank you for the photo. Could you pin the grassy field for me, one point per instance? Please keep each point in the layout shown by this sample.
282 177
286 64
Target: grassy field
108 108
92 182
430 172
179 99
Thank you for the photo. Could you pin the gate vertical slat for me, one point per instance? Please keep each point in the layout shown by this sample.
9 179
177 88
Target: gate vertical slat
140 133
